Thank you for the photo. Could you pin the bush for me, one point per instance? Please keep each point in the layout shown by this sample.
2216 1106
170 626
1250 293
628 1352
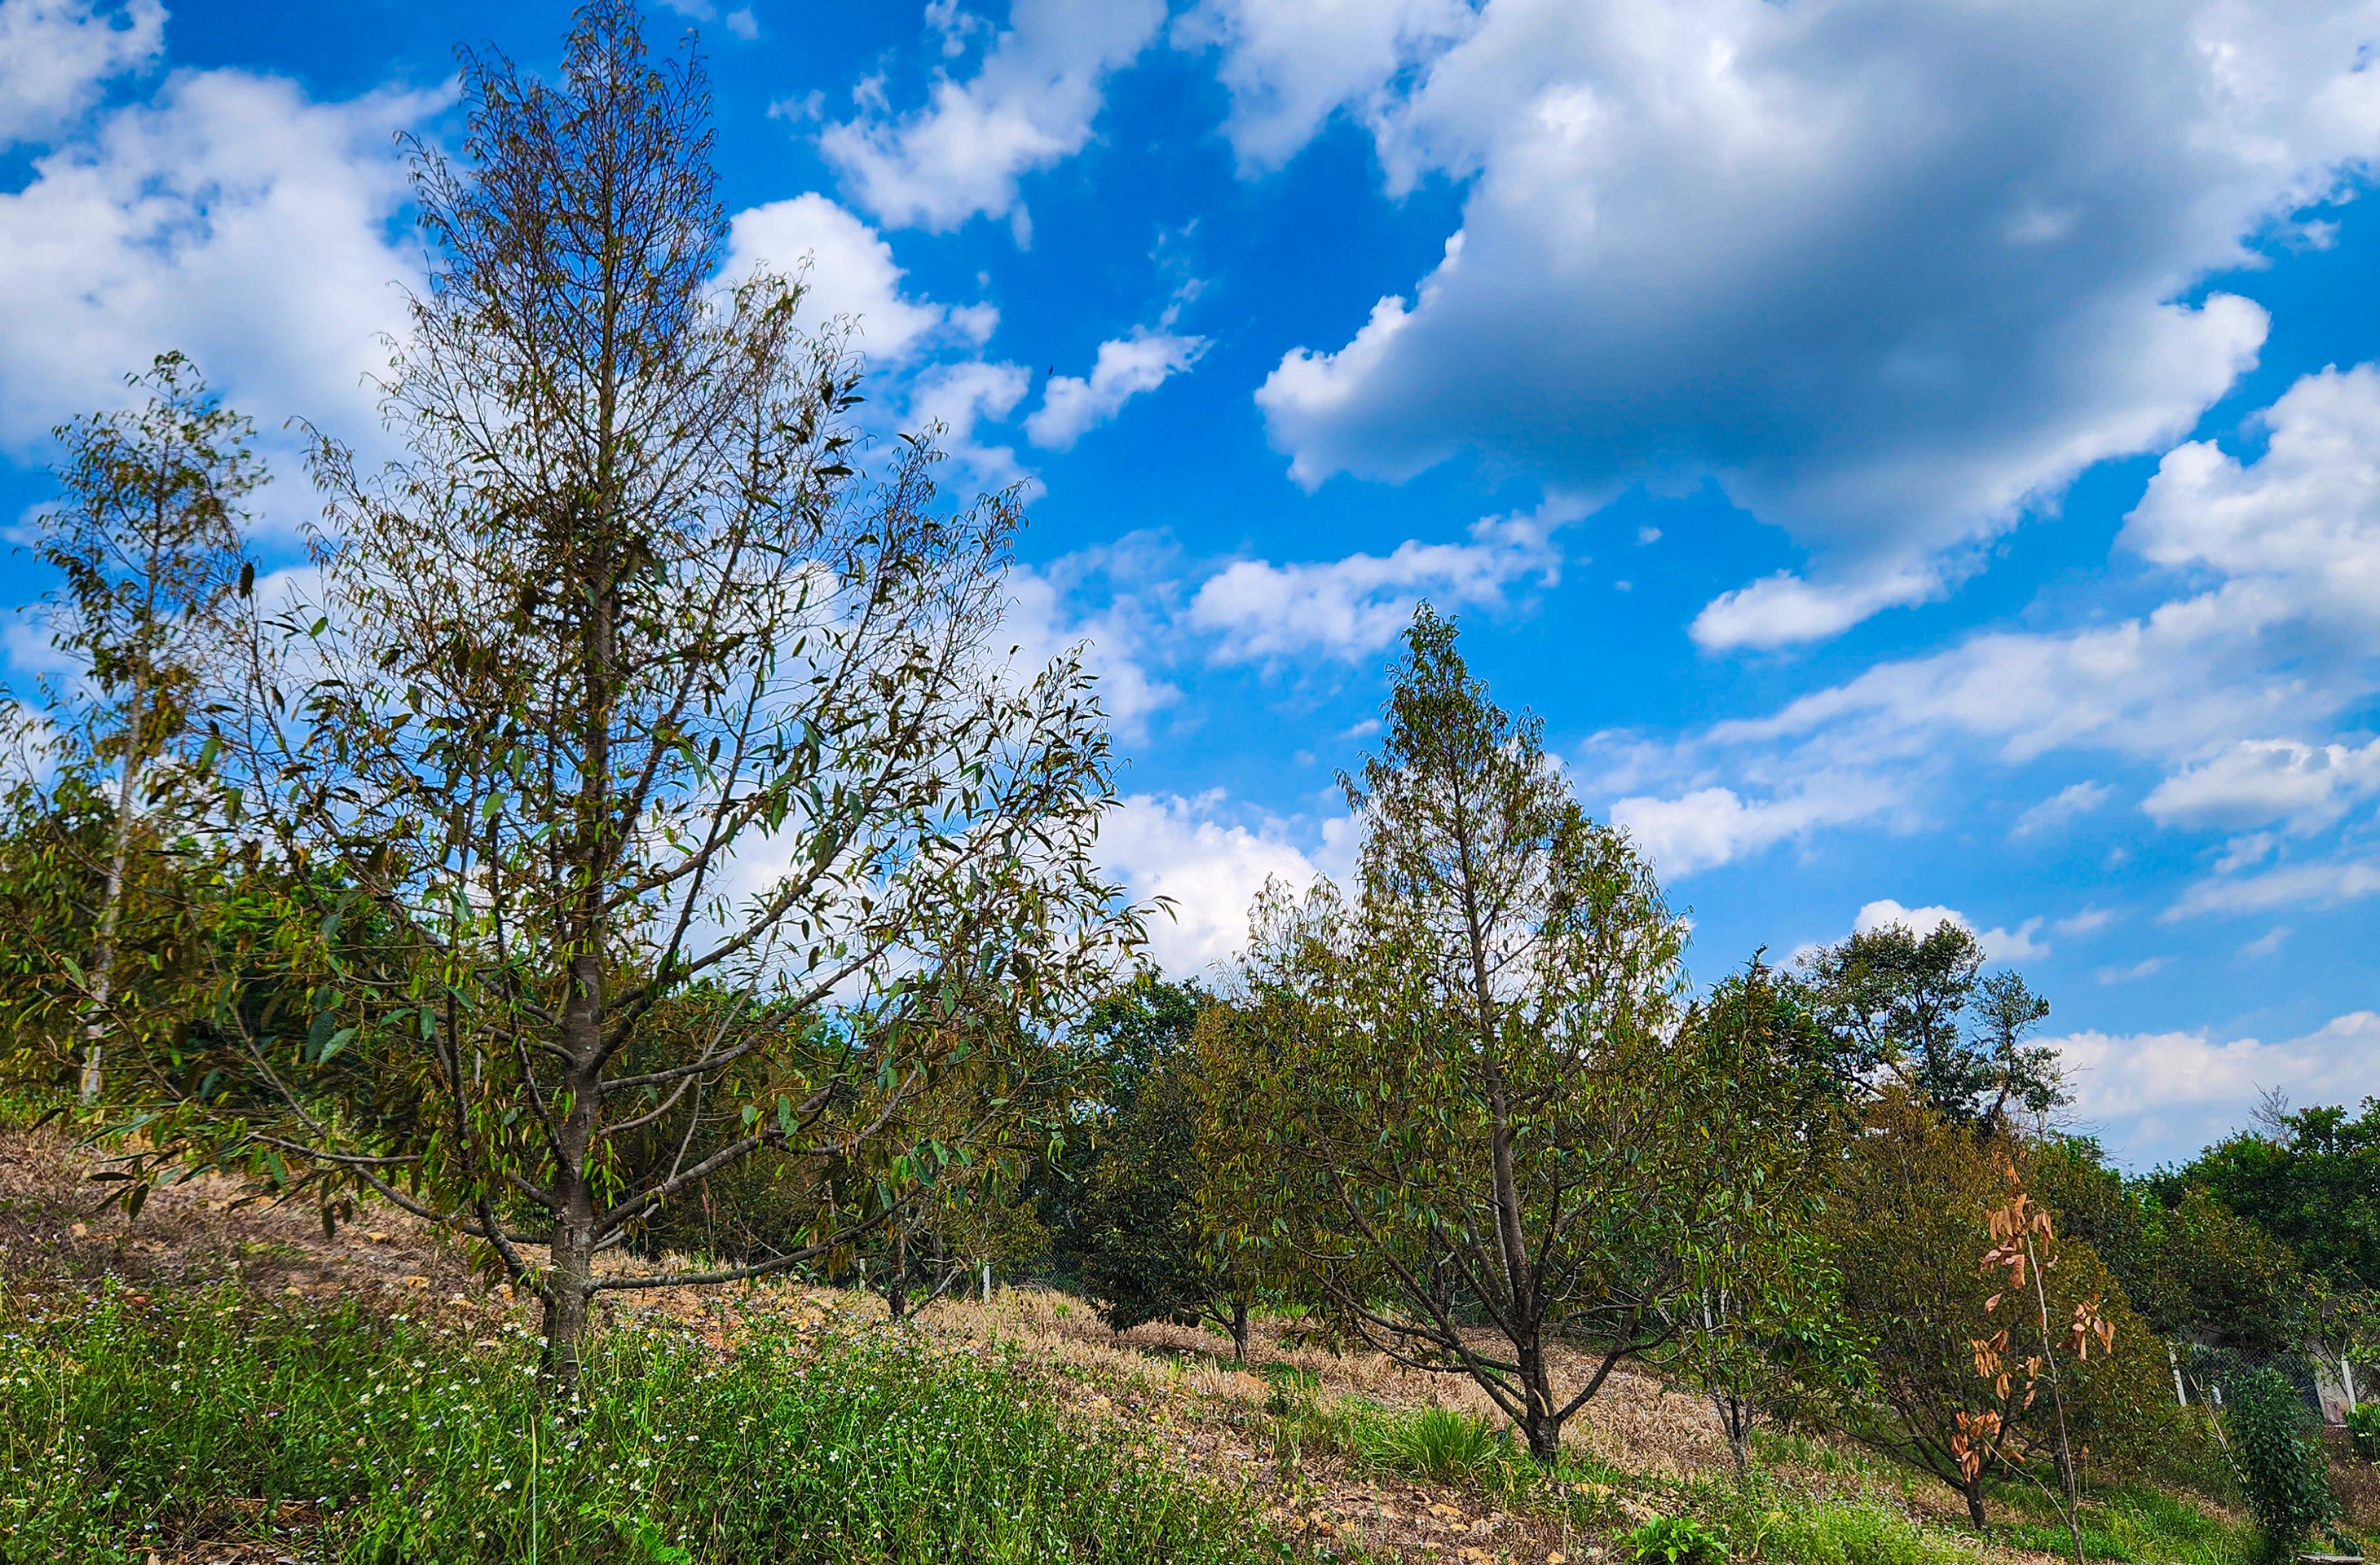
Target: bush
2281 1470
2363 1428
1674 1540
1437 1443
121 1423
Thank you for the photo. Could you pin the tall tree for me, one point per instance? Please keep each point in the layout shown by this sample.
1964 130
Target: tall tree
147 534
677 764
1920 1009
1470 1119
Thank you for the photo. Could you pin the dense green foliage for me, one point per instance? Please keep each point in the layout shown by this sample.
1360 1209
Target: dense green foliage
2281 1466
1913 1226
1673 1540
2313 1183
1137 1244
1921 1009
120 1421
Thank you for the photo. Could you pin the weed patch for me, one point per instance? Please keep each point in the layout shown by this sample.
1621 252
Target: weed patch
124 1425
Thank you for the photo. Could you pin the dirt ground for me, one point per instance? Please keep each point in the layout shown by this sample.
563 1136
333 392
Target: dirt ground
1175 1381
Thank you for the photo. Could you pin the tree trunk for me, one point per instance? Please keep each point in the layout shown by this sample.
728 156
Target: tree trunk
571 1253
1736 1419
567 1294
1543 1431
1973 1489
110 911
896 1277
1239 1332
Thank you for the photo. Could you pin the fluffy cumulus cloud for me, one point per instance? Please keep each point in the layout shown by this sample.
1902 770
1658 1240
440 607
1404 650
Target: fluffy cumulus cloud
1032 100
958 398
1073 405
230 216
1710 826
1999 945
2259 781
56 54
1289 64
2158 1096
1072 605
1353 607
2237 686
847 273
1208 867
1892 276
740 22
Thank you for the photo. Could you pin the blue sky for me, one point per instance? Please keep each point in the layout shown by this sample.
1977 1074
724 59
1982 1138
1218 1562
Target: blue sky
1918 460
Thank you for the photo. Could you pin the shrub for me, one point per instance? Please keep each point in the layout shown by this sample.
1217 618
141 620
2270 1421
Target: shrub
2363 1428
1437 1443
2281 1470
1674 1540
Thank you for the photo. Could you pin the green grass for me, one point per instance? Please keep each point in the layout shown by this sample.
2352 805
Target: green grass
1439 1445
1831 1530
122 1423
2142 1526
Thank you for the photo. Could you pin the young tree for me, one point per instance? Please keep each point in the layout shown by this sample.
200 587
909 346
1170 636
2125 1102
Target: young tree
2023 1236
1469 1120
147 534
676 766
1914 1206
1141 1244
1761 1329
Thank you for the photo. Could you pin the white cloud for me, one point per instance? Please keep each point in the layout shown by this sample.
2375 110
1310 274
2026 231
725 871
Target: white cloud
1893 277
2266 944
1289 64
1355 606
230 217
960 396
847 269
2090 921
740 22
2165 1094
1712 826
56 54
1175 847
2146 968
1048 615
1999 945
2297 885
2278 630
2256 781
1031 102
1784 609
1071 406
2068 804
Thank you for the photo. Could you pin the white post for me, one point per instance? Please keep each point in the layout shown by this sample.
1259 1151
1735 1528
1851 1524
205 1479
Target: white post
986 1283
2180 1394
2347 1378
